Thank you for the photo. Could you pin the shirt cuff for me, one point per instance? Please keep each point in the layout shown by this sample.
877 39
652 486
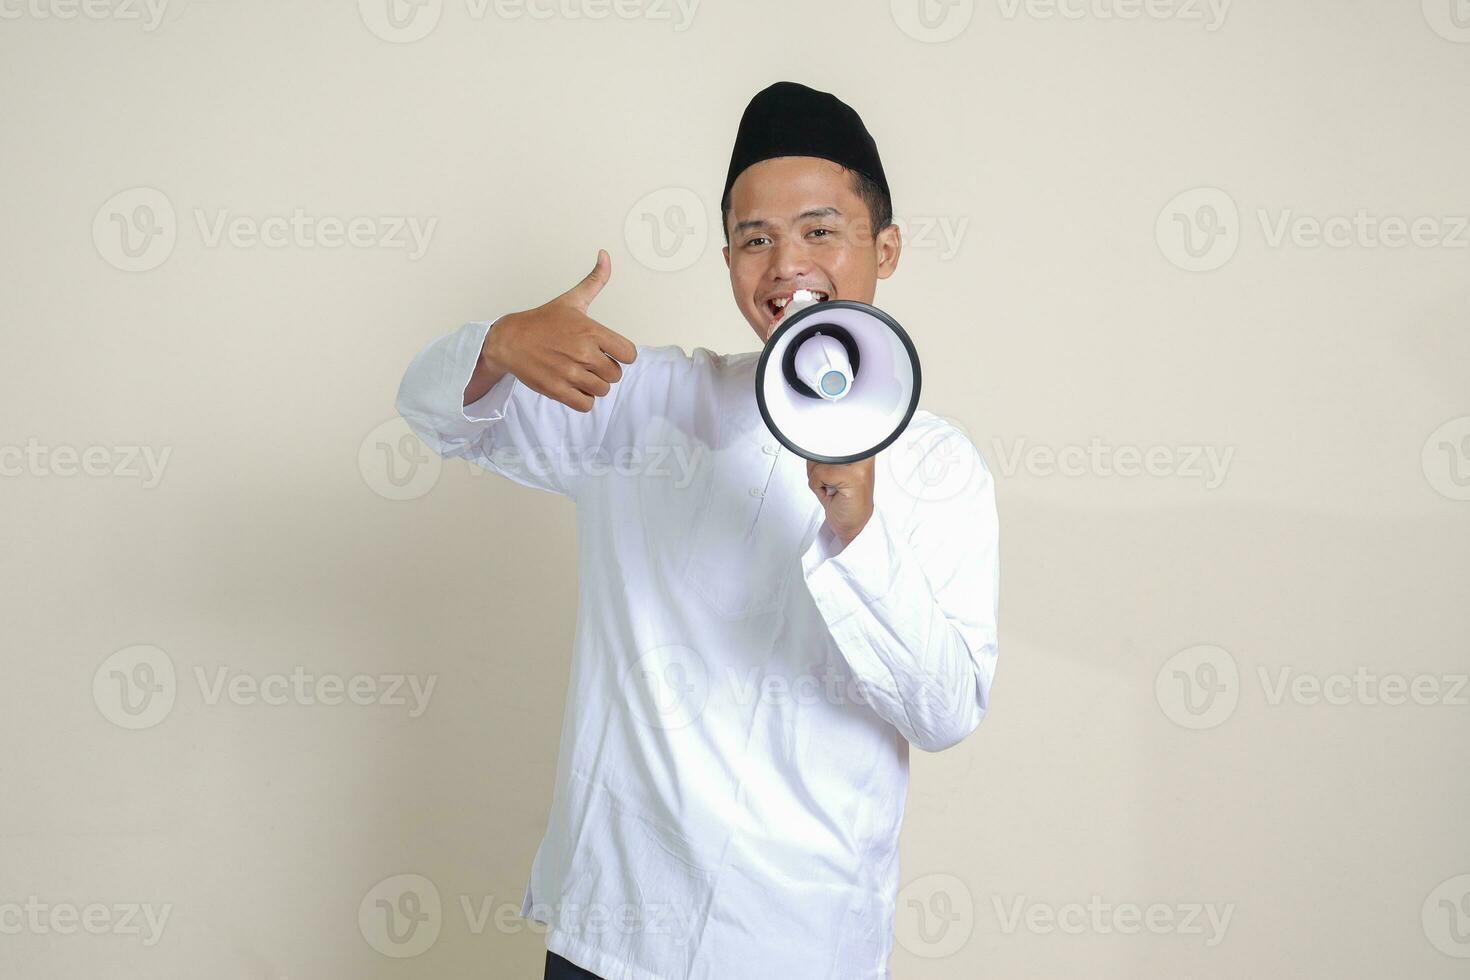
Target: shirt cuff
490 407
844 580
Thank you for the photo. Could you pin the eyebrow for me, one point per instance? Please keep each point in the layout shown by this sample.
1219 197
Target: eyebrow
751 224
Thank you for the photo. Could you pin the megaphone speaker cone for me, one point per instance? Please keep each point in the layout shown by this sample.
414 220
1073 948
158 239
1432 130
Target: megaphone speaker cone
838 381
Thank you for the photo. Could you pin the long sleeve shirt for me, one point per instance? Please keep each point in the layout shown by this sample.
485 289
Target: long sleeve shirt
744 689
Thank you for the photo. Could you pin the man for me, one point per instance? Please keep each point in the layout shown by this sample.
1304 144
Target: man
759 638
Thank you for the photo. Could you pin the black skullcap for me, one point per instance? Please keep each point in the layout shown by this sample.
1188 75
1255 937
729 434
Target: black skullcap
791 120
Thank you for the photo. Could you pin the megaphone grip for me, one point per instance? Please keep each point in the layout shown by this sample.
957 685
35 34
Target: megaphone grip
825 330
822 363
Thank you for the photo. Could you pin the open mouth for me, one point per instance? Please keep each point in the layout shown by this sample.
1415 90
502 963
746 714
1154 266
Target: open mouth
776 305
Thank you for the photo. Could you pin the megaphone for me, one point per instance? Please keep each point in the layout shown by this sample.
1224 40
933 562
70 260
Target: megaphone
838 380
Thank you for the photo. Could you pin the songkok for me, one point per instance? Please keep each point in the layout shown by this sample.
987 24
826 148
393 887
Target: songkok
791 120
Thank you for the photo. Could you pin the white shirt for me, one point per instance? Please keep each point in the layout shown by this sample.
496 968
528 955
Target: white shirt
734 750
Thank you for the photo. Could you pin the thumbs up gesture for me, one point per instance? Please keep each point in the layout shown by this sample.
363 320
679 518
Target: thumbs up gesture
558 350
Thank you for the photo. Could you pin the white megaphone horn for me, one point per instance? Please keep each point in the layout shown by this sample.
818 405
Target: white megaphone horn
838 380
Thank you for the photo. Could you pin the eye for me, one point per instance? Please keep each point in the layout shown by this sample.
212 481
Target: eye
757 238
827 232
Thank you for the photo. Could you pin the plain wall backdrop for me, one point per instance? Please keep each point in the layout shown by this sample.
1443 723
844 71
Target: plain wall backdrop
1193 276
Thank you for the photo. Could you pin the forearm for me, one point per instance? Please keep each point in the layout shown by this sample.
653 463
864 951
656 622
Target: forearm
484 378
925 664
489 370
910 595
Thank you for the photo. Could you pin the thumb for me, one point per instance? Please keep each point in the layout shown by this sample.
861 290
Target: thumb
583 293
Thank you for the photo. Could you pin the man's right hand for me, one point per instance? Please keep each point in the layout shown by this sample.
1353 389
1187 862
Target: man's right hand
556 349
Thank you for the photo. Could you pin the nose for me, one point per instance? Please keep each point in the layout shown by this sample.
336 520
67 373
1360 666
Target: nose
789 260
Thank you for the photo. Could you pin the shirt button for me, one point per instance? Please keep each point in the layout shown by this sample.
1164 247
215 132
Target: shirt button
757 492
771 449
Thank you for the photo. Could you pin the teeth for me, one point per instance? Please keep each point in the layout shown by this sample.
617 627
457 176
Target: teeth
780 302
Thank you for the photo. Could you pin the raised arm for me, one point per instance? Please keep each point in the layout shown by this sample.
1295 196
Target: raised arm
527 395
912 599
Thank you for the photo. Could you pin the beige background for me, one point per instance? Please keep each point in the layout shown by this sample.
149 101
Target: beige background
1054 151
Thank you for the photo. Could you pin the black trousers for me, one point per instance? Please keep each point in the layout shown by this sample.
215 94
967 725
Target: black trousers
561 969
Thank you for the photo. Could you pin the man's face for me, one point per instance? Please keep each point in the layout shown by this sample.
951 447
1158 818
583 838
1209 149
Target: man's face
796 223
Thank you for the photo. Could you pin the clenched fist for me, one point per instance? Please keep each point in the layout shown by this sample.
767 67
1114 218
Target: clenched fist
845 491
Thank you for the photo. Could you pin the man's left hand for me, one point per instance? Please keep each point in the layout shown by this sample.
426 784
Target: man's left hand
845 491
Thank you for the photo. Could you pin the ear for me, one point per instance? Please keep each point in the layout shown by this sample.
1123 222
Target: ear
889 245
726 253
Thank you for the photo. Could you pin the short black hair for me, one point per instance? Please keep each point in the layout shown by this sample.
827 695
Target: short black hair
880 205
